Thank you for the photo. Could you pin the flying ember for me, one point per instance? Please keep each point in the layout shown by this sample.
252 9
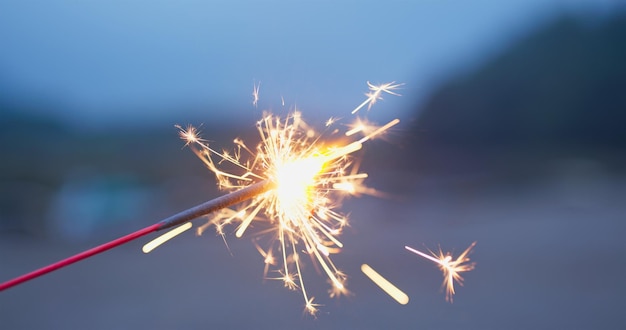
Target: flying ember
451 268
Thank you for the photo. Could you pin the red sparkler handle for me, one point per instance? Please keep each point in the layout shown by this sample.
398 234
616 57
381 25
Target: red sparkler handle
78 257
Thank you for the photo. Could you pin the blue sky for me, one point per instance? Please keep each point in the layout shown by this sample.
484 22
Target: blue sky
109 61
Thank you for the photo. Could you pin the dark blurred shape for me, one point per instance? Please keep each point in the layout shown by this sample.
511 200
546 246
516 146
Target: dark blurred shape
559 92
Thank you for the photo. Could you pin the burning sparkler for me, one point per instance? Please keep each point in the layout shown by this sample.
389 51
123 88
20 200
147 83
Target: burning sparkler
294 181
310 176
451 268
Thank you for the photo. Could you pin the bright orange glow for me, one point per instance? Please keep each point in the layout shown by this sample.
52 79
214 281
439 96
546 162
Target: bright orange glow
295 182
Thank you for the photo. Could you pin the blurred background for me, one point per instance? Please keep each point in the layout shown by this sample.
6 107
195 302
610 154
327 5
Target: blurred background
512 135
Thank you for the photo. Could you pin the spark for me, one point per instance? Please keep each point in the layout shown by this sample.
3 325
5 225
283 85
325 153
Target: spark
310 307
375 92
392 290
311 176
189 134
364 127
255 93
153 244
338 291
330 121
451 268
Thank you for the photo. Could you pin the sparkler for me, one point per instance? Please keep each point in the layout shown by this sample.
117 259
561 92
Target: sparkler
294 181
451 268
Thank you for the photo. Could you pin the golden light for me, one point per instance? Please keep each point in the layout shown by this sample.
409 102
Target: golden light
295 181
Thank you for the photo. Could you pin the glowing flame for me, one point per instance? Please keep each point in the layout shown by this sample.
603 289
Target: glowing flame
295 182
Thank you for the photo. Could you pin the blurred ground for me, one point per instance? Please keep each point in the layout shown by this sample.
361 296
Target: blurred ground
549 256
